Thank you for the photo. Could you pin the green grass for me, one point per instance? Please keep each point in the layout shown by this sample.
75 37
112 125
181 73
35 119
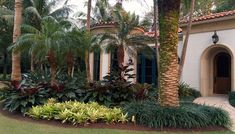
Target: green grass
13 126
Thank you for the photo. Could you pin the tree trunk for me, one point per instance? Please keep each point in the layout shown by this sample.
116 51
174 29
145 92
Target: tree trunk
53 65
169 73
185 45
32 62
16 68
88 72
4 65
120 56
155 40
70 63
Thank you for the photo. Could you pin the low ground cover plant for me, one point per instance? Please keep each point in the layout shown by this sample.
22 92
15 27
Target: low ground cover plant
188 115
78 113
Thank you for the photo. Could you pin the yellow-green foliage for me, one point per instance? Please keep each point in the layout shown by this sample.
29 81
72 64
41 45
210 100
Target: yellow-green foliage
78 113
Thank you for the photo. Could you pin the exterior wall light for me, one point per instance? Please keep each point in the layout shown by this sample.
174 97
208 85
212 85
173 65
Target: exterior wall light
215 38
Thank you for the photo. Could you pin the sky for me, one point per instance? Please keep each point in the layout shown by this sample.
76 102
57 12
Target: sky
132 6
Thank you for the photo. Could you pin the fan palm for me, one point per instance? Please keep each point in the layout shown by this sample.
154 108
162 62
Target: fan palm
46 42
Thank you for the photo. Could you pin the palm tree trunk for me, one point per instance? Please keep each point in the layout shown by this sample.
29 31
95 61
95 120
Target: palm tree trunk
169 73
87 52
121 54
16 68
155 40
185 45
5 65
53 65
70 63
32 62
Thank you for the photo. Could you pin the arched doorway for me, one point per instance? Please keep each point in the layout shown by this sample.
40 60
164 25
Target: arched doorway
222 73
217 70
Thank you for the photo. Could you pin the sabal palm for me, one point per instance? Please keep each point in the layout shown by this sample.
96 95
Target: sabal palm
124 38
46 42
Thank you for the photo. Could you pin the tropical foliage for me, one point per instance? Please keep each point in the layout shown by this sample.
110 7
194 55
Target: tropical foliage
78 113
151 114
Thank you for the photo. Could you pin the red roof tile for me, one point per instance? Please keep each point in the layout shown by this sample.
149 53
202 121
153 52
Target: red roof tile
210 16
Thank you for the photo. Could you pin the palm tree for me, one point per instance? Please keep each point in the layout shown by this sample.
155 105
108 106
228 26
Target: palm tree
183 55
16 69
101 12
169 74
88 24
46 42
35 10
123 39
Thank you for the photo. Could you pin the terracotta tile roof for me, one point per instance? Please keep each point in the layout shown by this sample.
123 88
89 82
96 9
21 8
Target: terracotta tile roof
112 23
210 16
102 23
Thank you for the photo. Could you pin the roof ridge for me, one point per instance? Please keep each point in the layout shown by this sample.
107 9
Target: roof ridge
210 16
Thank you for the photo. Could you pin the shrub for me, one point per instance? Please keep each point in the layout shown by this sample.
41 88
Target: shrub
78 113
113 90
22 96
35 89
188 93
232 98
150 114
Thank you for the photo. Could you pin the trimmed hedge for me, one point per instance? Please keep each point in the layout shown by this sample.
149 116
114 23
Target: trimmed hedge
78 113
186 116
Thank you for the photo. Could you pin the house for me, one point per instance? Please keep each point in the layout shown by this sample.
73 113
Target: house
209 64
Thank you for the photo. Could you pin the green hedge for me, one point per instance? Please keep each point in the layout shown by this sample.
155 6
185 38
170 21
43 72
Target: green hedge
186 116
78 113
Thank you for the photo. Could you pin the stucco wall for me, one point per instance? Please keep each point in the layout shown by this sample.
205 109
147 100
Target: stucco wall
198 43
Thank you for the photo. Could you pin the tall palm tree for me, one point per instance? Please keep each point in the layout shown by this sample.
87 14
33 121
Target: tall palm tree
169 74
88 25
155 20
16 69
45 43
184 50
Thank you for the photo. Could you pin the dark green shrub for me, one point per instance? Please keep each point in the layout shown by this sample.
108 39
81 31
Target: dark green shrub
22 96
187 93
150 114
232 98
35 89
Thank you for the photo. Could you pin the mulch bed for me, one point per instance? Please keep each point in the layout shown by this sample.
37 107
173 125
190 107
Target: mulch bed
119 126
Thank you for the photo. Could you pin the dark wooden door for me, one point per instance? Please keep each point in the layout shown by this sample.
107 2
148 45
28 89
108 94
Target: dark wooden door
222 73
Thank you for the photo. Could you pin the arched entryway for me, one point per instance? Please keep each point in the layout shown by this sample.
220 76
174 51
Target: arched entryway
216 70
222 73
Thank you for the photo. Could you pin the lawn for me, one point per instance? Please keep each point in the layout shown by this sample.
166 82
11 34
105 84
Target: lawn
13 126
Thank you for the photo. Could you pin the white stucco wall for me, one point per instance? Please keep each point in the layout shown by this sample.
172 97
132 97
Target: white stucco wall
197 44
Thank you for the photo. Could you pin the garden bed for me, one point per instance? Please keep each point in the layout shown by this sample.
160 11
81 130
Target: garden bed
119 126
